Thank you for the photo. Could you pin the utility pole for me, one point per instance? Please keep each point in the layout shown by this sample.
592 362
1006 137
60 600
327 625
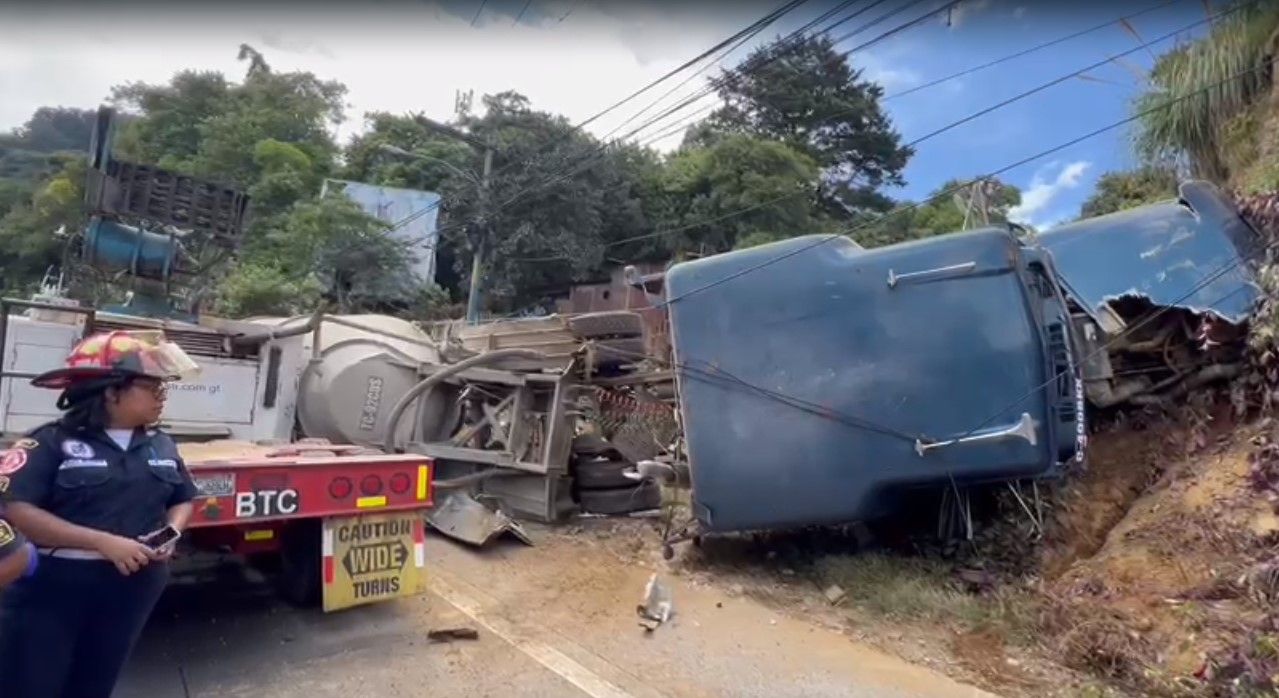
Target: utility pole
481 239
477 258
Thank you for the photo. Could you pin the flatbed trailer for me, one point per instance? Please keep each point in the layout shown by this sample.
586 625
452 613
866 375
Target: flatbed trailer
346 529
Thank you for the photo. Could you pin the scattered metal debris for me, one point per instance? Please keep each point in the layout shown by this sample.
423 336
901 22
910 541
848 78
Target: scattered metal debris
463 518
657 607
451 634
834 594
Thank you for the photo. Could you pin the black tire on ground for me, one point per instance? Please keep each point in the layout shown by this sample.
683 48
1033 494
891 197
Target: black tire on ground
622 501
602 474
300 564
612 323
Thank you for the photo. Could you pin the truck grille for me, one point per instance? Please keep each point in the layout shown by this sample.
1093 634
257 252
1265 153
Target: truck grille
196 342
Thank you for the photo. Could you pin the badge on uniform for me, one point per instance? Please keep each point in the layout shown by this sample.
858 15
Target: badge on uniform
7 536
11 461
77 449
4 484
26 444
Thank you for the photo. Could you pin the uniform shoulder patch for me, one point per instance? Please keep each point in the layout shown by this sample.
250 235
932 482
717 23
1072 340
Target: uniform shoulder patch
12 461
7 534
75 448
4 484
26 443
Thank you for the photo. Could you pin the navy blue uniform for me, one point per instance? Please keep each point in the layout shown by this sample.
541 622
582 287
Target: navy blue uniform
67 631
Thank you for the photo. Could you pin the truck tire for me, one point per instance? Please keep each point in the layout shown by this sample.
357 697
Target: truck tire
602 474
588 446
612 323
625 350
644 497
300 564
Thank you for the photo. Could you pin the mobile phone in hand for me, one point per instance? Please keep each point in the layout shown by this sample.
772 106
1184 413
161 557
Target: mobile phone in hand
161 539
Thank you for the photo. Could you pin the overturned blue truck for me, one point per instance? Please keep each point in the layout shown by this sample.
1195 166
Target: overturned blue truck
822 383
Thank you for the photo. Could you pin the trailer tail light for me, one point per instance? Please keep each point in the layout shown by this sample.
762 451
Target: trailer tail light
400 483
370 485
340 487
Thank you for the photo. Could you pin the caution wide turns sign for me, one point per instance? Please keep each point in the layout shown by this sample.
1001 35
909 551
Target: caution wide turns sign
372 557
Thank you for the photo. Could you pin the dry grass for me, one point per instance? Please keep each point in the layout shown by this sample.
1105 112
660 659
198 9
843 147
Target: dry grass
924 590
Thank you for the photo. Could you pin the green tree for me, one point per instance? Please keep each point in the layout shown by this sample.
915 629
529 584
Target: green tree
53 129
942 212
1117 191
804 93
558 198
325 249
741 191
27 229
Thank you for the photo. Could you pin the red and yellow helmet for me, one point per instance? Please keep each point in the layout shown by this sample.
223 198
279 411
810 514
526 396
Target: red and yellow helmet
138 353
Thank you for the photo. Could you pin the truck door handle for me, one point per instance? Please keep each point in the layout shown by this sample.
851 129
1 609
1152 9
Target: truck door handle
1024 428
956 269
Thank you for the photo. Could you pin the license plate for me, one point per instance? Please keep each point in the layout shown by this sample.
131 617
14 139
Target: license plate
220 485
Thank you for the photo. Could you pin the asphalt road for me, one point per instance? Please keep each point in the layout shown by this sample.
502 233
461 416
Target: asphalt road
554 620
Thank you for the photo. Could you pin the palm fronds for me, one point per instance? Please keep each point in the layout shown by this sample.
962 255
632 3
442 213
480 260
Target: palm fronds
1231 68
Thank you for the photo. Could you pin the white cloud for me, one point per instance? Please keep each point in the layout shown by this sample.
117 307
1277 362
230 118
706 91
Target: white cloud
890 77
960 13
404 57
1042 193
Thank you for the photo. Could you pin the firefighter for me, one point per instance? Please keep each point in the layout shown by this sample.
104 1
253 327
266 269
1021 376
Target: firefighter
87 490
17 556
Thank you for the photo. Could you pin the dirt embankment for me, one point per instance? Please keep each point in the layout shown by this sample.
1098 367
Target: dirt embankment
1157 585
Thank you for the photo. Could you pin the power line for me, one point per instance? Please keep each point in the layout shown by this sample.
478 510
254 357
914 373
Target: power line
692 118
765 20
1027 52
891 13
478 12
750 30
953 124
951 190
602 148
523 9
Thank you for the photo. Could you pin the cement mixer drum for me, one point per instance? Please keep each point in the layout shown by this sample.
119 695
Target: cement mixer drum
347 394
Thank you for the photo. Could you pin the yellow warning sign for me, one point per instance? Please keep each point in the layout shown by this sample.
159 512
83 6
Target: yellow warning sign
373 557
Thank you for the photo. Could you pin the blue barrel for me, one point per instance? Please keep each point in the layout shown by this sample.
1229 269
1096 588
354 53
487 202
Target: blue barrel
113 246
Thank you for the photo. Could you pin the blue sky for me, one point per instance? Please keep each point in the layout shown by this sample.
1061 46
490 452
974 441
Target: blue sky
972 33
1055 186
576 57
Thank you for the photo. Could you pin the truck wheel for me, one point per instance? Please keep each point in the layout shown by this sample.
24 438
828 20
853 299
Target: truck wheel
588 446
602 474
621 350
645 497
611 323
300 564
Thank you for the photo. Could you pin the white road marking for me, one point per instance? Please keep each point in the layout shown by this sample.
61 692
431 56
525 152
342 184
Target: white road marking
564 666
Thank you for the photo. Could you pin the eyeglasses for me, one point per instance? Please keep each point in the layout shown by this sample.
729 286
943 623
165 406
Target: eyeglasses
159 389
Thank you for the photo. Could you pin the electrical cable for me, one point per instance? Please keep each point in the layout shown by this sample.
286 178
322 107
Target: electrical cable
751 30
948 127
765 20
1025 52
600 150
958 187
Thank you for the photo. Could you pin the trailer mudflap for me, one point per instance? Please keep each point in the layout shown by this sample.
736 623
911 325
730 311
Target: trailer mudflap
372 557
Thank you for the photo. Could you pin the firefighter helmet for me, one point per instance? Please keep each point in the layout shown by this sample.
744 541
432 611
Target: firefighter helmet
125 354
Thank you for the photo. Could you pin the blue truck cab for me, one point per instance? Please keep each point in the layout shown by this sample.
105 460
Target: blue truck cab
819 381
